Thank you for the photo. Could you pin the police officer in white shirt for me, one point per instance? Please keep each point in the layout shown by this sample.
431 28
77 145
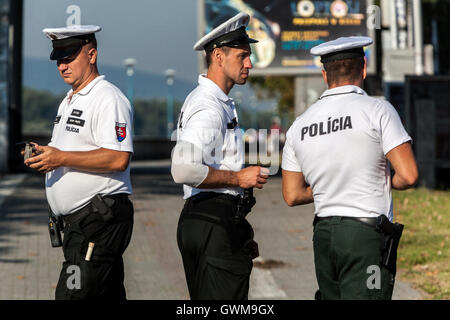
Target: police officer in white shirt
214 238
87 170
337 155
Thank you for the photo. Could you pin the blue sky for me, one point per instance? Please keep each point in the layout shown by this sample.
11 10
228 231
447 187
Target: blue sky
159 34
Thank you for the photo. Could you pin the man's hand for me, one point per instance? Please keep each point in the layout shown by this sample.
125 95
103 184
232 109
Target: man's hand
246 178
46 159
98 161
34 153
253 177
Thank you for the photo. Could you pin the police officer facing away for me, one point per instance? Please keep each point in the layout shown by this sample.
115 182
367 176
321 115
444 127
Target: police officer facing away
337 155
87 170
214 238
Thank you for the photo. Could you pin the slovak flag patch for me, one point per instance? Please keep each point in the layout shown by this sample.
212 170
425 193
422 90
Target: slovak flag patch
121 131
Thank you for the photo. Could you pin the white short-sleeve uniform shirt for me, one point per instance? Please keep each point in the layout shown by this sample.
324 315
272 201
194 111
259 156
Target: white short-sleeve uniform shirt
208 120
340 145
99 116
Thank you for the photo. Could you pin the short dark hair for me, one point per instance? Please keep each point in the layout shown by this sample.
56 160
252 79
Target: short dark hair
92 41
347 70
208 57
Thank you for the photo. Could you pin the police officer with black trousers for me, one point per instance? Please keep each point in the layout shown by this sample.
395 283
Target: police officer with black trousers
87 171
214 238
338 154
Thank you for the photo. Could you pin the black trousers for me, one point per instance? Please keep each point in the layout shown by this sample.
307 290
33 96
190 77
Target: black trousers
102 277
212 244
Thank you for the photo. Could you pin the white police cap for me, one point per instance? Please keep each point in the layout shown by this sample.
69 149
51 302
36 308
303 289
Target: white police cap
230 33
70 31
341 48
68 40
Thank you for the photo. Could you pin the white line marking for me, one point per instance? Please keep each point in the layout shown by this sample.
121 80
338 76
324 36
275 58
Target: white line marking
8 184
263 285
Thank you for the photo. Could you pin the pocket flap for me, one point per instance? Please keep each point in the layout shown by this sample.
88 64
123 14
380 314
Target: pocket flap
235 265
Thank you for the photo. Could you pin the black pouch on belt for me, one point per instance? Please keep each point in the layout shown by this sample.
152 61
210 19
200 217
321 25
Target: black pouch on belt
392 233
105 211
54 229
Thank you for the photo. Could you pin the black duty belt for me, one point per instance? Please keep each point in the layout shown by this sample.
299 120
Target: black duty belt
372 222
216 196
90 207
221 204
212 206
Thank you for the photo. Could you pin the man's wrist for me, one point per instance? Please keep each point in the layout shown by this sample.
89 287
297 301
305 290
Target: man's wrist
235 178
220 179
62 156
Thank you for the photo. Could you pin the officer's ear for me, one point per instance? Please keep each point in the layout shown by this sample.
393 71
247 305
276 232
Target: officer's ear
92 55
365 69
218 55
324 75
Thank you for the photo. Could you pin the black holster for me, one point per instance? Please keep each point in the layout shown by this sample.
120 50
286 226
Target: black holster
245 204
54 229
392 233
104 208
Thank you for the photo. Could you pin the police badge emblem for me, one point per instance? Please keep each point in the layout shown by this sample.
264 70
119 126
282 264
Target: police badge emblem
121 131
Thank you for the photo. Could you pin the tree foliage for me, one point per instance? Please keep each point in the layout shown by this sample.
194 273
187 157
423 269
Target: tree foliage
150 116
39 110
278 87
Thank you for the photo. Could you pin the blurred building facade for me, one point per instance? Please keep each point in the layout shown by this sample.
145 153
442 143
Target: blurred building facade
10 81
415 78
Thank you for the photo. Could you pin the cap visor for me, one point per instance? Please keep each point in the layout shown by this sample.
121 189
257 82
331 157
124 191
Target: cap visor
63 53
239 42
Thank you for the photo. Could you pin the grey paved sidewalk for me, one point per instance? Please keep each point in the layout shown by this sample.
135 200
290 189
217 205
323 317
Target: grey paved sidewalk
29 267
